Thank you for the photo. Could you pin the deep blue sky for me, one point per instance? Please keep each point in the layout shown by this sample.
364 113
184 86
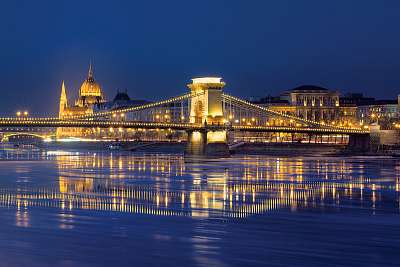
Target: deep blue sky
153 48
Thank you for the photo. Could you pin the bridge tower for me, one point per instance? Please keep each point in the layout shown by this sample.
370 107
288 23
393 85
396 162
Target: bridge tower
206 100
206 109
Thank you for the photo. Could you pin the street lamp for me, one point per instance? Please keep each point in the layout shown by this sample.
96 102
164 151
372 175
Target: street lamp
18 114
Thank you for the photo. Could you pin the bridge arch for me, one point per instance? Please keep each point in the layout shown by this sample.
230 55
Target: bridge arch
6 137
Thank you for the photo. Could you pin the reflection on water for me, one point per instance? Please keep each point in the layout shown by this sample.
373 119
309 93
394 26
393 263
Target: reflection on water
164 185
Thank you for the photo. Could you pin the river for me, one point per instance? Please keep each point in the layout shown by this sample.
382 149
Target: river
102 208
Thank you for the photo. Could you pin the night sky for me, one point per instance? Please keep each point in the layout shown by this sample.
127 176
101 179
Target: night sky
154 48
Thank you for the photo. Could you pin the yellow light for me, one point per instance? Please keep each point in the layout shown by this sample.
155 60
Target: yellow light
196 136
114 115
243 119
157 116
253 119
18 113
206 80
122 115
25 113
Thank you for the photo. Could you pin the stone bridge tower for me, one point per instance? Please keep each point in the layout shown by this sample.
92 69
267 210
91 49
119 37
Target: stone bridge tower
206 101
206 109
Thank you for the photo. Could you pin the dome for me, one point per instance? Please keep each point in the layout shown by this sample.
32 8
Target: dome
90 87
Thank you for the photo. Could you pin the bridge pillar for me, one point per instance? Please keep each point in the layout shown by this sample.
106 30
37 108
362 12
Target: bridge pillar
359 142
207 143
206 109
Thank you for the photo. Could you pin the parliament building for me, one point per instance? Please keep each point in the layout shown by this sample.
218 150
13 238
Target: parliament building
90 94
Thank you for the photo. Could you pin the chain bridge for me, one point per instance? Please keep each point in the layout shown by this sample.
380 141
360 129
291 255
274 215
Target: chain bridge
206 114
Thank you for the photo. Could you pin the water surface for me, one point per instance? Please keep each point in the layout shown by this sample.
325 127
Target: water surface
61 208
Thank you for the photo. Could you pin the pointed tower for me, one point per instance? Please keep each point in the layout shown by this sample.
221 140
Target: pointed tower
90 73
63 100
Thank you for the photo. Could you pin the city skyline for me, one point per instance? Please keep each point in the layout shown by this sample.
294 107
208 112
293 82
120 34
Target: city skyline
199 133
259 50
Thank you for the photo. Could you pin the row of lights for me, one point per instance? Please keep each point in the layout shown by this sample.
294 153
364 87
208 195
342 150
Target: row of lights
177 125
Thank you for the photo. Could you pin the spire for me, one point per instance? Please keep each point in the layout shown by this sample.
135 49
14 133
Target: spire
63 99
90 74
64 93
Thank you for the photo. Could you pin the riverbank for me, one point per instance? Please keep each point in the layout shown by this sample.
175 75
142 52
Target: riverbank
274 149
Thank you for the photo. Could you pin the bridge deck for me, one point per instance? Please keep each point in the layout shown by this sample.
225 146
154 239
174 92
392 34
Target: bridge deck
47 122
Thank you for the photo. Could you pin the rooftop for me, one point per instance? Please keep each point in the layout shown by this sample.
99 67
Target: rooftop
303 88
206 80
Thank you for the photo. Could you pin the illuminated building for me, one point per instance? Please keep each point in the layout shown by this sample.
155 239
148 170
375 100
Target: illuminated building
314 103
383 112
90 94
369 110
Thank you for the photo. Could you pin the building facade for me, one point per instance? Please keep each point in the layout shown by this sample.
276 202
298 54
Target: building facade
314 103
382 112
91 100
90 94
372 111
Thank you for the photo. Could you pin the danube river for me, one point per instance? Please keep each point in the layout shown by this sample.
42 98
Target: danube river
105 208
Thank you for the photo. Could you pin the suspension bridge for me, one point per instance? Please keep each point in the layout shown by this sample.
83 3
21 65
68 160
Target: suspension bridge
206 114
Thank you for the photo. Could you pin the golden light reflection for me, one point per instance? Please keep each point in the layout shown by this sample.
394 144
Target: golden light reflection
164 185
